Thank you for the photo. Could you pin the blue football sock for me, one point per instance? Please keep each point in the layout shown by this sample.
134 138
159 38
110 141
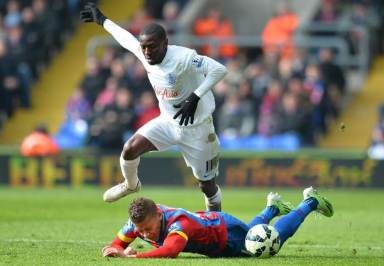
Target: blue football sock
265 216
288 224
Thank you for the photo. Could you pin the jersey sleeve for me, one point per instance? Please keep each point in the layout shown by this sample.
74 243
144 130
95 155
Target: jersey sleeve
179 227
124 38
174 243
125 236
172 246
210 68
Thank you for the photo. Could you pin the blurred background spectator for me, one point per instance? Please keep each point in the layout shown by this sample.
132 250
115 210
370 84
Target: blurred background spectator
39 143
214 24
278 33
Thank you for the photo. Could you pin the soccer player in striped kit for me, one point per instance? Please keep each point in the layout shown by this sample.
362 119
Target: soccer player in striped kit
183 82
214 234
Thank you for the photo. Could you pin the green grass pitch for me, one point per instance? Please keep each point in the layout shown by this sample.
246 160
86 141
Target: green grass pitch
68 226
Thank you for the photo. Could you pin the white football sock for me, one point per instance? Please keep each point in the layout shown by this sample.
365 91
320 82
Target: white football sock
129 170
215 199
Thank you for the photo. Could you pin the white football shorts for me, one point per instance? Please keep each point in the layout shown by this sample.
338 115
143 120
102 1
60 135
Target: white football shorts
198 144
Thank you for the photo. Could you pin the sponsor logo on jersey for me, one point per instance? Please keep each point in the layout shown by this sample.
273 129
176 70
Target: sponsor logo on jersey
165 93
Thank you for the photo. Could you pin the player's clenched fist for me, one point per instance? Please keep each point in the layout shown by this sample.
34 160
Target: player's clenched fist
91 13
187 109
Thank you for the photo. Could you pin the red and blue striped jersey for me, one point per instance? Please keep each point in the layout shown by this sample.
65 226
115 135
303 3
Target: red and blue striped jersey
205 231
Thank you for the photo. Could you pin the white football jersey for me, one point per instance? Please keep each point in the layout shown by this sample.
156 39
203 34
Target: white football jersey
181 72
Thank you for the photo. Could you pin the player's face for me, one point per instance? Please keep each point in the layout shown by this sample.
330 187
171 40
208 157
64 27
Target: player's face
153 48
150 227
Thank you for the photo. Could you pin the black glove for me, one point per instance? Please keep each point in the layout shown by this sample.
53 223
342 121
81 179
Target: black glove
188 109
91 13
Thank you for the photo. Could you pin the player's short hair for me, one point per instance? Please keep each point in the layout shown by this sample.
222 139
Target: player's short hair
141 208
154 29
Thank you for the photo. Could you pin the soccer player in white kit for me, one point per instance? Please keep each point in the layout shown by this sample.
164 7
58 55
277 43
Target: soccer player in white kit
182 81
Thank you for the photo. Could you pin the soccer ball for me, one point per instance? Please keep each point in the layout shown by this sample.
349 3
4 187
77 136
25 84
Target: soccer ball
262 241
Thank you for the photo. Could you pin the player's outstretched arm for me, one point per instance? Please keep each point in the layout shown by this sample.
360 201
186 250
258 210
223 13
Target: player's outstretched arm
172 246
91 13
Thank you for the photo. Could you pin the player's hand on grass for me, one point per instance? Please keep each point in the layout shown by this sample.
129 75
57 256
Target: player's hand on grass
187 109
129 251
91 13
109 251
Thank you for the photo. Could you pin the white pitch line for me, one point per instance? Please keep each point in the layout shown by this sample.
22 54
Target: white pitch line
362 247
72 241
69 241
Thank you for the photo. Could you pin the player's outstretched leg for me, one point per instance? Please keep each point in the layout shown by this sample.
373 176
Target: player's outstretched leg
313 201
130 185
274 199
324 207
275 207
129 162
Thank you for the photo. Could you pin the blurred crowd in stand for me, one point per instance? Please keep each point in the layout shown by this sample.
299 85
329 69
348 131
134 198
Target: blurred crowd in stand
31 33
282 98
281 95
